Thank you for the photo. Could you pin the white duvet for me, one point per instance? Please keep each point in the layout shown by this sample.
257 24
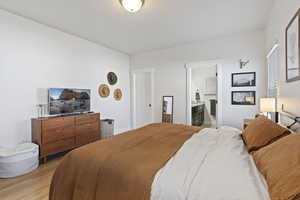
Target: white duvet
211 165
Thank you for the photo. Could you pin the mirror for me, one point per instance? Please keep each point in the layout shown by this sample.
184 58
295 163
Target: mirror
167 109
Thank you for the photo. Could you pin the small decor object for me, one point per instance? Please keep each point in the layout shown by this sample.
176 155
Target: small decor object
112 78
243 98
292 49
167 109
243 79
41 110
104 91
244 63
118 94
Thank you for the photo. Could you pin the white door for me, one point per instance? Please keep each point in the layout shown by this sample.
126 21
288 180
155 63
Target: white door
143 99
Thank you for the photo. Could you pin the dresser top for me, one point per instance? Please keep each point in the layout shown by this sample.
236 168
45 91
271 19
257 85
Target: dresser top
64 116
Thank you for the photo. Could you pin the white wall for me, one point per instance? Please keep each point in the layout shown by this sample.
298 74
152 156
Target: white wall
170 74
282 12
34 57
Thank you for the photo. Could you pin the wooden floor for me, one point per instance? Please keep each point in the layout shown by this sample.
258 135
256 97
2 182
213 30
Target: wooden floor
33 186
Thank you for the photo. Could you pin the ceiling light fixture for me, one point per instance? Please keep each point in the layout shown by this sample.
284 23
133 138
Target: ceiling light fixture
132 5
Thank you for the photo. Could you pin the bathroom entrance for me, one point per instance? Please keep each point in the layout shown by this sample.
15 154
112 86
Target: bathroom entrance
203 102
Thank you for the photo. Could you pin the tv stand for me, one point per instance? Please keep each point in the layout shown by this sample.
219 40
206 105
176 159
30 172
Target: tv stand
61 133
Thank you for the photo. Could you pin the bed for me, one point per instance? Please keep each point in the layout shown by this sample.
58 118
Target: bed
162 162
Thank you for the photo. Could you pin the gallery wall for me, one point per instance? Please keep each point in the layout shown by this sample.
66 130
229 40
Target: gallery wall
34 57
170 72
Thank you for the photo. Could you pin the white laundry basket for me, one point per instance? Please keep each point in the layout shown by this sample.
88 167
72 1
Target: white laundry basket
18 161
107 128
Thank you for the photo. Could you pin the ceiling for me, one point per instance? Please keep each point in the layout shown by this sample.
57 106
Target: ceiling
160 23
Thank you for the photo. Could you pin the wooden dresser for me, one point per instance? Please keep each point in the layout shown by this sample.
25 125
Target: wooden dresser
58 134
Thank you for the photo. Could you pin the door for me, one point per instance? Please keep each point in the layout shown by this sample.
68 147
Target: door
143 99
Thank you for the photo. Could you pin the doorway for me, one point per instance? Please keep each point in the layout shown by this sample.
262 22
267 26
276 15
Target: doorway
204 104
142 97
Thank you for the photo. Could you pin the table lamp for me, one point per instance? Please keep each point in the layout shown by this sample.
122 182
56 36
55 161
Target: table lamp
268 105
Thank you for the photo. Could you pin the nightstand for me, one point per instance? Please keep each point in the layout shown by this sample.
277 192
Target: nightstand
247 122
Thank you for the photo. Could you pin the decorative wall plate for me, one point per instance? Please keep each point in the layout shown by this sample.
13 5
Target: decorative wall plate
118 94
104 90
112 78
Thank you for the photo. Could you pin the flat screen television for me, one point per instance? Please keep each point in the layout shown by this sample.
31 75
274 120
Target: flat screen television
68 101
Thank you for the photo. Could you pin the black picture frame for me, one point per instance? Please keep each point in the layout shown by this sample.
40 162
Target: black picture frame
246 84
287 52
236 102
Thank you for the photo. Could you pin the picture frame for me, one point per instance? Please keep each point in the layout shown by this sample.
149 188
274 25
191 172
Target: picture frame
243 97
292 42
247 79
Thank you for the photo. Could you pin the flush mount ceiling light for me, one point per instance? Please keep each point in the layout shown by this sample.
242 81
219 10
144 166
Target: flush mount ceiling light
132 5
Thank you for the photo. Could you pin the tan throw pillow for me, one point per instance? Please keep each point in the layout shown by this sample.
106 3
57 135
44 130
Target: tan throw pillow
261 132
280 165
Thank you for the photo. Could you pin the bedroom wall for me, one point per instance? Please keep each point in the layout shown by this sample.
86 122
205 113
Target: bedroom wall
34 57
170 74
281 14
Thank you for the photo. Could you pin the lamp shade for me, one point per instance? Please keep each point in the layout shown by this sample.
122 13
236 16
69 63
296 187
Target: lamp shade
267 105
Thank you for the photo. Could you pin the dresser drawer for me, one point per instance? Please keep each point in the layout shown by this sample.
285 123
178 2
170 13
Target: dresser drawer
52 135
87 119
86 139
85 129
57 146
58 123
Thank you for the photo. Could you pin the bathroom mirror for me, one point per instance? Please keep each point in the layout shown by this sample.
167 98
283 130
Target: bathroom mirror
167 109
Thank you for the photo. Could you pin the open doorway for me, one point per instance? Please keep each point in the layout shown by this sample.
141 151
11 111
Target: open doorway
204 107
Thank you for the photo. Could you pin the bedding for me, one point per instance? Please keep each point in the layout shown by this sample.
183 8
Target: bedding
280 164
152 163
212 165
262 132
119 168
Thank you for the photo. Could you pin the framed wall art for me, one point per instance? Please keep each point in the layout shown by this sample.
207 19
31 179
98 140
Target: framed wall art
243 98
292 36
247 79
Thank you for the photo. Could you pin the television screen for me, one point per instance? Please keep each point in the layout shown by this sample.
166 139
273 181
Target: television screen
64 101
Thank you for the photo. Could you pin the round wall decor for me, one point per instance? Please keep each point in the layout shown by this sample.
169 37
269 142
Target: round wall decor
118 94
104 90
112 78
